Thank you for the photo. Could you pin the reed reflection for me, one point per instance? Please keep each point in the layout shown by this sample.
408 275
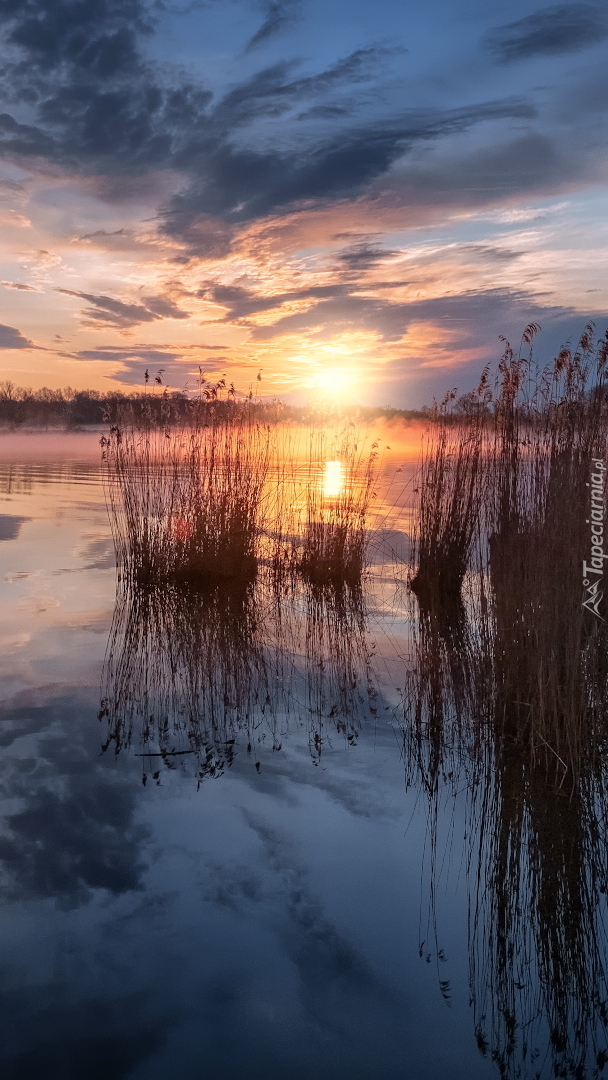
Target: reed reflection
190 677
509 698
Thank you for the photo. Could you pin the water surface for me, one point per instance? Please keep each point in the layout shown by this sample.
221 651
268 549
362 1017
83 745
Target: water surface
283 912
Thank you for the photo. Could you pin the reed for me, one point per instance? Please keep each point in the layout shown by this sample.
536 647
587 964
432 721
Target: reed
342 471
549 429
186 502
509 694
450 497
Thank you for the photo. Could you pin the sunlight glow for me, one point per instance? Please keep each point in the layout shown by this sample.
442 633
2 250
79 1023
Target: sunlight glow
332 380
333 479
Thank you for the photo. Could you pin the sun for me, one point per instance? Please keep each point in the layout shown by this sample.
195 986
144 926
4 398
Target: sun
333 380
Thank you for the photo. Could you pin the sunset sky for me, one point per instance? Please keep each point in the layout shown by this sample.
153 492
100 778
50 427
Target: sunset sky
355 198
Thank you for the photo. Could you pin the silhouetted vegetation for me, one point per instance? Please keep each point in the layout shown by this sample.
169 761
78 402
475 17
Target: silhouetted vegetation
210 498
23 407
509 693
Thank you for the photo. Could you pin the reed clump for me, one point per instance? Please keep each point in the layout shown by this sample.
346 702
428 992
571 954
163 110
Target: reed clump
511 696
214 498
187 502
342 471
451 492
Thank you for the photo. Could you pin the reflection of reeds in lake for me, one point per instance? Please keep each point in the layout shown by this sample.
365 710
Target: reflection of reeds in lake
538 908
340 692
537 856
186 674
191 676
510 694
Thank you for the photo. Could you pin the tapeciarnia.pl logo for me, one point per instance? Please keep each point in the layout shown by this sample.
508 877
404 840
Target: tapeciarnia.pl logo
593 571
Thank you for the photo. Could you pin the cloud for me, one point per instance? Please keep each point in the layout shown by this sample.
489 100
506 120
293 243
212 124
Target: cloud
243 184
279 15
98 39
243 302
101 108
18 285
68 1029
11 338
548 32
362 255
107 311
144 353
177 363
74 832
481 174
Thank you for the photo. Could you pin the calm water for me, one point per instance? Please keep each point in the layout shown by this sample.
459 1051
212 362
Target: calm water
286 918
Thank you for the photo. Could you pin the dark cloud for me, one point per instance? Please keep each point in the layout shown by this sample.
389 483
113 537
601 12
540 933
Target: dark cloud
362 255
353 305
97 37
67 1032
164 308
470 315
488 253
18 285
107 311
244 302
244 184
11 338
180 377
143 353
324 112
483 174
549 32
279 14
74 832
175 363
99 107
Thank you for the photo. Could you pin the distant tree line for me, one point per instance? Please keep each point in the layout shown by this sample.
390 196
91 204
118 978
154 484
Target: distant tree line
72 409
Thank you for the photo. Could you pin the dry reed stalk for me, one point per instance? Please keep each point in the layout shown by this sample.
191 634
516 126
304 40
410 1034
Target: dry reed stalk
342 470
516 705
450 487
186 503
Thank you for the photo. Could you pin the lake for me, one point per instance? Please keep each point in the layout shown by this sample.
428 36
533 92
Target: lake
282 894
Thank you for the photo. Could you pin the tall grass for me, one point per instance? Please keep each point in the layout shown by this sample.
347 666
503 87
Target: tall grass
186 503
208 501
509 693
451 492
342 471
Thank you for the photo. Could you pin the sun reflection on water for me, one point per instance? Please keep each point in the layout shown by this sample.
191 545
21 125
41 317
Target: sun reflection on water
333 479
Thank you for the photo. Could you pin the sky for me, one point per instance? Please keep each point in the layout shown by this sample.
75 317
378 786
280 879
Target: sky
354 199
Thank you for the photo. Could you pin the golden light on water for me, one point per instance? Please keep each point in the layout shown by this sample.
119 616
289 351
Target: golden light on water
333 479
